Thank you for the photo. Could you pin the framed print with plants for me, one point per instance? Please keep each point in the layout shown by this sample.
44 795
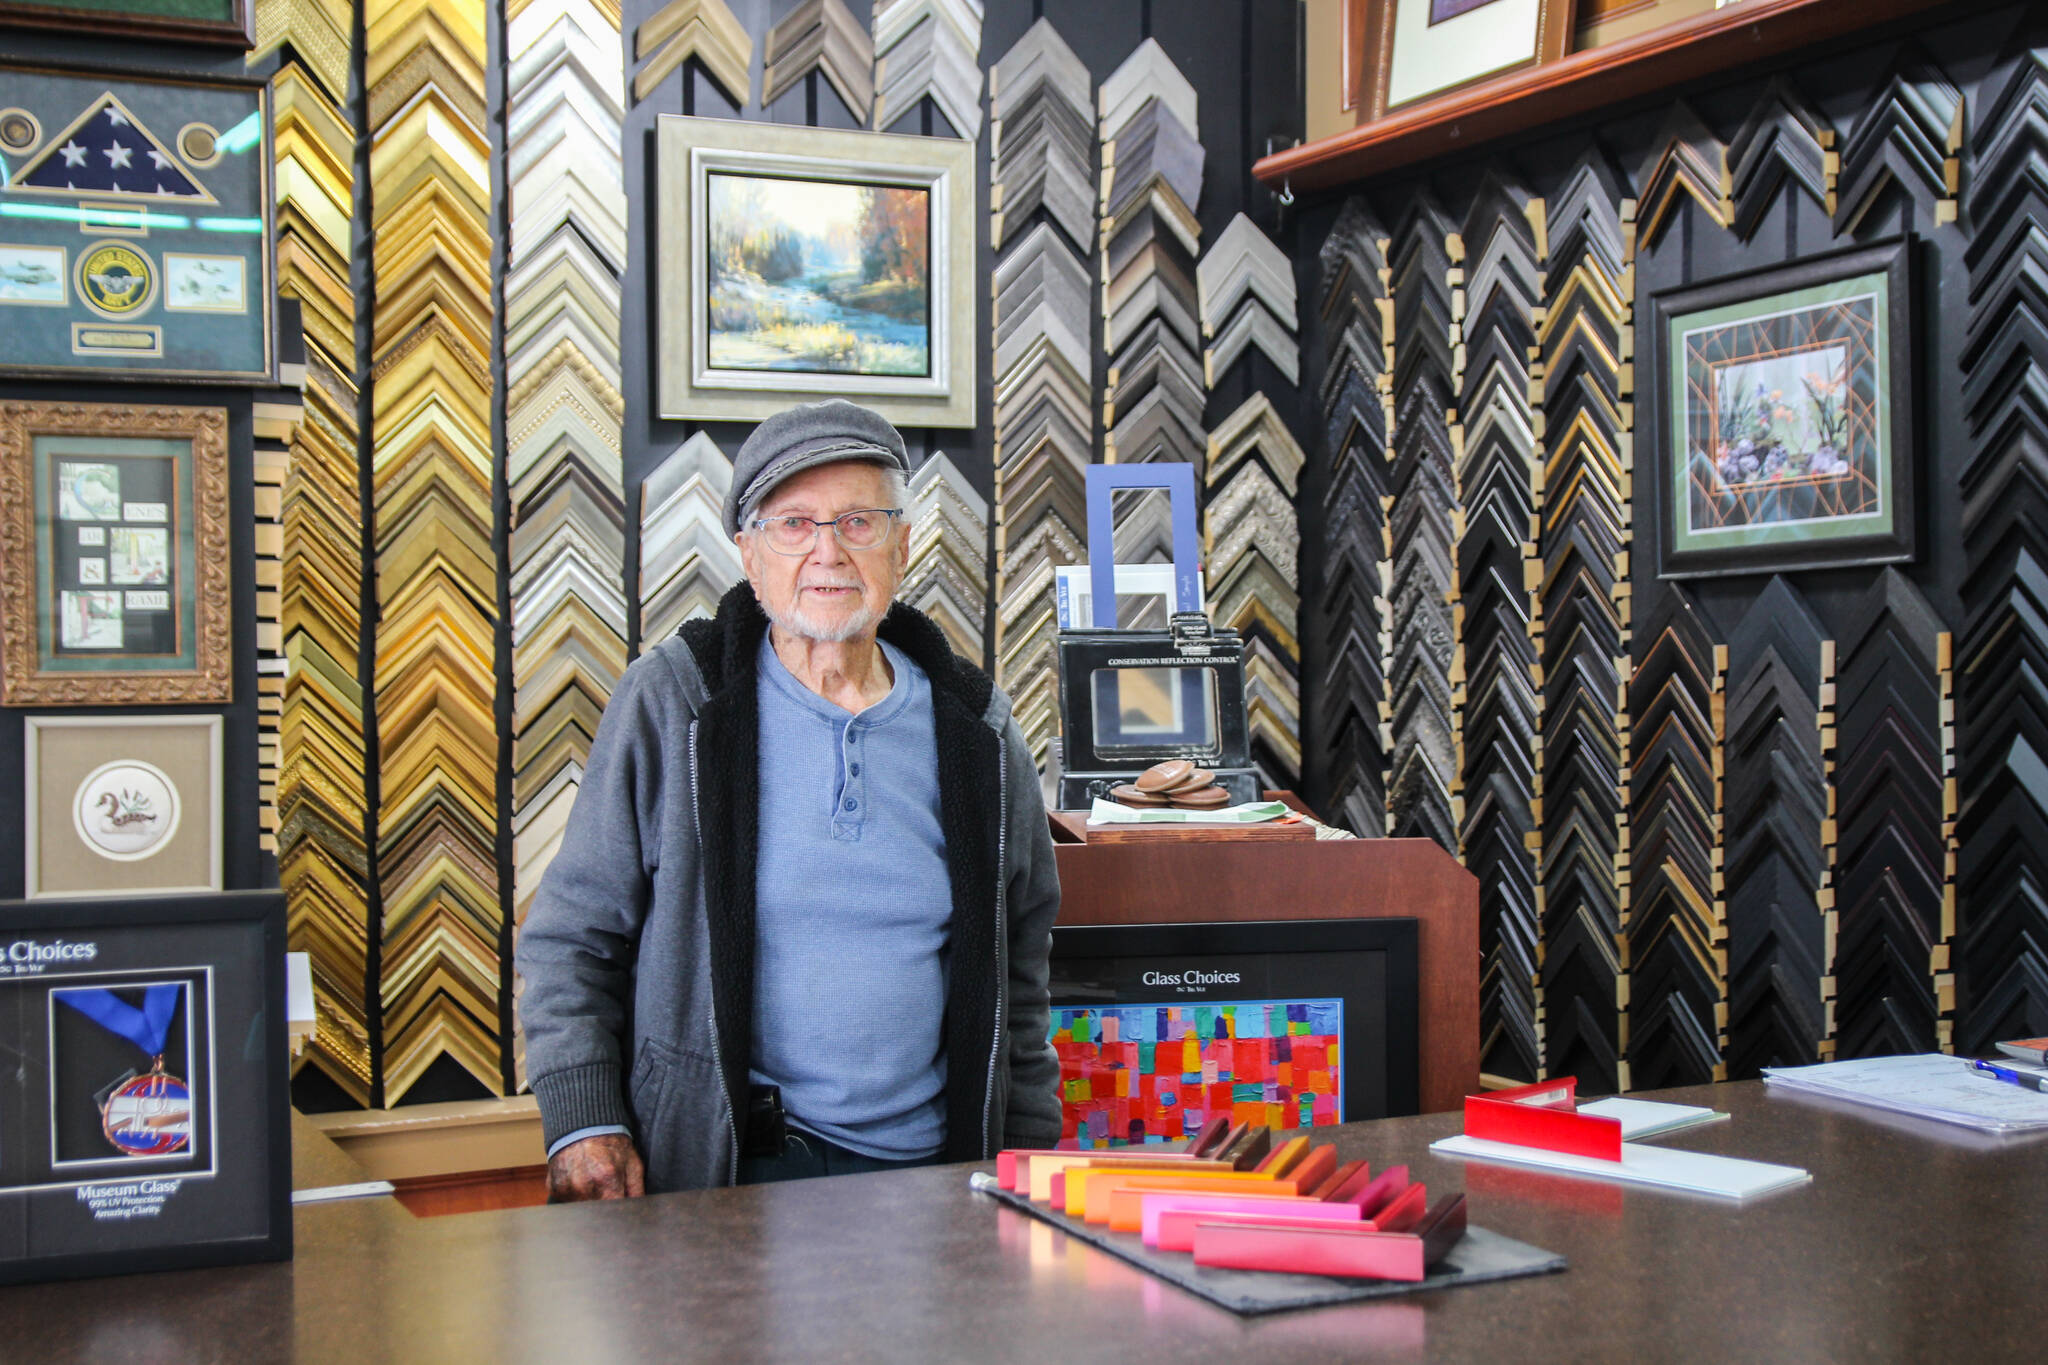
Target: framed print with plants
1783 416
122 805
808 263
114 555
1411 51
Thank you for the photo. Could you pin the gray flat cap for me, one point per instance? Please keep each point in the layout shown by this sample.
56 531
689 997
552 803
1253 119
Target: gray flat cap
804 437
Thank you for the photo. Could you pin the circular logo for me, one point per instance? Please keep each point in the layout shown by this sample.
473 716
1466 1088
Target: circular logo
116 279
199 144
19 130
126 810
149 1115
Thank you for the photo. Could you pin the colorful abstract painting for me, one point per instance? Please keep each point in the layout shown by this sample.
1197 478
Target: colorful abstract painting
1133 1074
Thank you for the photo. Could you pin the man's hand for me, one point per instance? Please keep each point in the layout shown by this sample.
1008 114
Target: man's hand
601 1167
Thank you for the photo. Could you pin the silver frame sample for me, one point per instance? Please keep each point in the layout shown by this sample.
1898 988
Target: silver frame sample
688 150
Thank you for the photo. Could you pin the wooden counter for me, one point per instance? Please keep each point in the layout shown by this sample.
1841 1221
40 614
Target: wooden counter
1209 881
1912 1243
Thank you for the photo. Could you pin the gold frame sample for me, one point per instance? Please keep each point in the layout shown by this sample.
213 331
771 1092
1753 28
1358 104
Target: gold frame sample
154 768
34 672
690 151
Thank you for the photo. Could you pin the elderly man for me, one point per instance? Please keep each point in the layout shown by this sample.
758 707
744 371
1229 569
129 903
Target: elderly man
799 920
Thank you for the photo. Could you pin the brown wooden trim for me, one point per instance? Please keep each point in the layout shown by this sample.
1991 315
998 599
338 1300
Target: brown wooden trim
513 1187
1528 98
1204 882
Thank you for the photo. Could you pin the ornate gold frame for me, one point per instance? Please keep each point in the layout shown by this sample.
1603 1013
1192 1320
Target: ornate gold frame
23 681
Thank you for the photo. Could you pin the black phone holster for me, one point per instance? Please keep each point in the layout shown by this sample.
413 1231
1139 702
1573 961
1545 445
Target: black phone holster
765 1125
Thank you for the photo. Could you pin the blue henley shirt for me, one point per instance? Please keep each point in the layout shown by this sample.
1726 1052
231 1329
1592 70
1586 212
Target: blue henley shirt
853 904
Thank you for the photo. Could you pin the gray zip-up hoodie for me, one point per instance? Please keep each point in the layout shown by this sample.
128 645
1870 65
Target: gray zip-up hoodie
637 957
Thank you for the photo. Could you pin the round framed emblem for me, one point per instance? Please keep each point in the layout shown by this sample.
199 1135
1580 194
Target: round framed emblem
126 810
116 280
149 1115
199 144
19 131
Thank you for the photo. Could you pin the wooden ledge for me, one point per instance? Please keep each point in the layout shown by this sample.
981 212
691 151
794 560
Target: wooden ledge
417 1140
1745 32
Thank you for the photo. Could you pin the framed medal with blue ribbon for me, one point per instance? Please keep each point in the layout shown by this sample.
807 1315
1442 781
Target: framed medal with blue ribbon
143 1105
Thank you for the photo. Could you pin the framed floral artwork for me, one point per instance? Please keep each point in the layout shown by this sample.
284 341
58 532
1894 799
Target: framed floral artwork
1783 430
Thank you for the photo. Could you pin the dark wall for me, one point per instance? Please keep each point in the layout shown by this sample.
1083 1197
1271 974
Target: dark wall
1777 954
1242 56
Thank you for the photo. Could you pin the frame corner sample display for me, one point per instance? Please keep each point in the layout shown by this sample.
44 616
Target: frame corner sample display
1416 50
797 264
1782 414
135 225
1286 1023
114 559
143 1110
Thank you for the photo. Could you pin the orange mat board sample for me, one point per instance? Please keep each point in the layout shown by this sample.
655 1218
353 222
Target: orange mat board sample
1103 1200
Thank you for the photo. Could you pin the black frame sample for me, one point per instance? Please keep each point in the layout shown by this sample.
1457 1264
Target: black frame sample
215 1213
1893 257
1075 945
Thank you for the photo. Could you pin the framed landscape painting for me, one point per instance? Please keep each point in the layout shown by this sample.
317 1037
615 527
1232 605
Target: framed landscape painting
804 263
1785 417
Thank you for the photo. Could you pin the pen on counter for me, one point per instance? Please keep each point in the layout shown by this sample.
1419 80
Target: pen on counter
2009 1076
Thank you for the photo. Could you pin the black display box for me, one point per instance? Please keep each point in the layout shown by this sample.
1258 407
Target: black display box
144 1116
1358 977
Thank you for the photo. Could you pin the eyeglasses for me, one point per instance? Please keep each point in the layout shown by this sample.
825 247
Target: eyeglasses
862 530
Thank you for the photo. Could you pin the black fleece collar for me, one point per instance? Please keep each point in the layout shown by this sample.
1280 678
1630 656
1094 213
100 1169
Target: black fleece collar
970 766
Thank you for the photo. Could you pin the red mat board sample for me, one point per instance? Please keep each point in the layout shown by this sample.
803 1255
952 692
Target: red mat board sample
1135 1074
1543 1115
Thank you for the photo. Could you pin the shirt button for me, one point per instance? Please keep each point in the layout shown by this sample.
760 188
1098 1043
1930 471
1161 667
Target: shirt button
852 804
854 770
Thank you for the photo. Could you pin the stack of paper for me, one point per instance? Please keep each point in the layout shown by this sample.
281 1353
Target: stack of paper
1658 1167
1933 1086
1651 1118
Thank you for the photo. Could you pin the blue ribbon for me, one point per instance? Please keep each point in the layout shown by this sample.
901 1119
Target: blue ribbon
146 1027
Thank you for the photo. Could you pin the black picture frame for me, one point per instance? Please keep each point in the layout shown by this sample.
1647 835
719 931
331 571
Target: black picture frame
67 1214
1873 481
1106 966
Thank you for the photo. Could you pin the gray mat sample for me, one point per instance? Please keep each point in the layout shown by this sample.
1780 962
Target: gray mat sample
1481 1256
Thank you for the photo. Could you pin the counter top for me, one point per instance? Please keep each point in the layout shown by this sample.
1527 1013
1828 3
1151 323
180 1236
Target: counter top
1914 1241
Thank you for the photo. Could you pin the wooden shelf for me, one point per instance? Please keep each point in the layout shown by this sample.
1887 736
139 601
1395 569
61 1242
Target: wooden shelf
1750 31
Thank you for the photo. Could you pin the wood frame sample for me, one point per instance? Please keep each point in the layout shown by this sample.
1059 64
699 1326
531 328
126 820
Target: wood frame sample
32 673
237 30
1372 36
